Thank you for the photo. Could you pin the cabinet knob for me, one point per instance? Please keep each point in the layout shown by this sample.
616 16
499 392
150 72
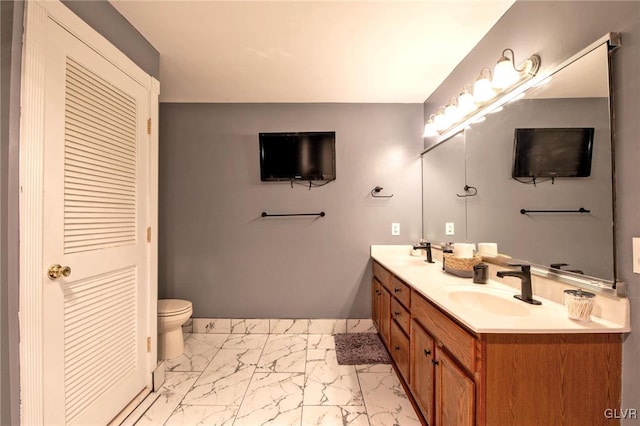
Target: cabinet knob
396 290
434 362
427 352
396 313
397 348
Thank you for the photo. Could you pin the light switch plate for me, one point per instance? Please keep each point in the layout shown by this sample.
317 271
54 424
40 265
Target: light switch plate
395 228
449 228
636 255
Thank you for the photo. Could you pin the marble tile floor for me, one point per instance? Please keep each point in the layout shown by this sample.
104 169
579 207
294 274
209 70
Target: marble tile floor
275 379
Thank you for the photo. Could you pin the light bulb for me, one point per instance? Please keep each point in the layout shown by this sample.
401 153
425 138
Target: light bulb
439 120
482 90
451 111
465 103
429 130
504 74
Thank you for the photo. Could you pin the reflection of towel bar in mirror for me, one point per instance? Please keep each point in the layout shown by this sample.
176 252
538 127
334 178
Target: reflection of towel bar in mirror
265 214
580 210
377 190
468 188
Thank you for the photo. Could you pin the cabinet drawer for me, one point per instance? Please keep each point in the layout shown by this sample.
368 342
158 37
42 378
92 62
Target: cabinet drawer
458 342
401 291
400 350
401 315
382 275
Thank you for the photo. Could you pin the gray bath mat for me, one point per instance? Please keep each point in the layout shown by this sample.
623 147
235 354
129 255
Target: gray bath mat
360 348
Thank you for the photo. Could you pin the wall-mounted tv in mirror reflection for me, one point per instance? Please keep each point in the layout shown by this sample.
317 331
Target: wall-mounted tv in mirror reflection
552 153
309 156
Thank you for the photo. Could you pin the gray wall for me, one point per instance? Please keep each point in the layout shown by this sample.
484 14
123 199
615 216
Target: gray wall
105 18
556 31
11 14
216 251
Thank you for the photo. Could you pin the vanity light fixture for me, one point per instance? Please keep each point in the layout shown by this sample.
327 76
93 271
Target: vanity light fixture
482 90
440 120
543 82
430 128
465 101
517 98
506 74
451 111
488 95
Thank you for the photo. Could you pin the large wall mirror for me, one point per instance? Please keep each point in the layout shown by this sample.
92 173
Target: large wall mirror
553 231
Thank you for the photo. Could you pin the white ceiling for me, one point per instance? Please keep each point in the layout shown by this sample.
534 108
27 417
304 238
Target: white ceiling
309 51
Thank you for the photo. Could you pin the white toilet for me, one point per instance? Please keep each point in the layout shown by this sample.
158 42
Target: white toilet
172 313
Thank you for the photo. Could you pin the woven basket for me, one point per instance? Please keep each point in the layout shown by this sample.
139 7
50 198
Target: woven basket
461 264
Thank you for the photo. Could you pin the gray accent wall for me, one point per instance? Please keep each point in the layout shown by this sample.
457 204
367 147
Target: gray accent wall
105 19
11 14
216 251
556 31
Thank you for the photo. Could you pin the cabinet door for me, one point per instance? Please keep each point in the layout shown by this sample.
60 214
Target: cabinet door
385 315
455 393
422 370
375 303
400 350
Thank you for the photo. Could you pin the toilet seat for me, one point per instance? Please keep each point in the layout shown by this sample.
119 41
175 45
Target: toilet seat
172 307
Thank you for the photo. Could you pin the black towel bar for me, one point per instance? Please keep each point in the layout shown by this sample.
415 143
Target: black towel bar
265 214
580 210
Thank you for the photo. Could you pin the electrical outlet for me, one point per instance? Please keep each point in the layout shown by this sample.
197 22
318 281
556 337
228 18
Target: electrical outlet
636 255
395 228
449 228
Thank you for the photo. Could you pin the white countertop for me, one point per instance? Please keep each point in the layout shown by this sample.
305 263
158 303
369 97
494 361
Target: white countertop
610 314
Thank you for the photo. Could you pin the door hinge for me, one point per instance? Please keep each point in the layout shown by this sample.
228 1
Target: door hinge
149 126
149 234
148 344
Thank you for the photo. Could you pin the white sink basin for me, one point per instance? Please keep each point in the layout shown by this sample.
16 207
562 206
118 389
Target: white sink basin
487 300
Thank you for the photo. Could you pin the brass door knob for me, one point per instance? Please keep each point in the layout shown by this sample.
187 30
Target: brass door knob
56 271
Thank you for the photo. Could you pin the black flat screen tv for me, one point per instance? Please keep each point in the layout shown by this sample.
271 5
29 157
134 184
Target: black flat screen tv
307 156
547 152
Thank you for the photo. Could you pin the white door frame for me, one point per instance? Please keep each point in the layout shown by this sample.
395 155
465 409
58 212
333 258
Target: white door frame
31 167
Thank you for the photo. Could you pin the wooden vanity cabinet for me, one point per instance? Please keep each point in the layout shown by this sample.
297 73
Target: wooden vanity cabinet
457 377
381 310
385 316
423 351
444 391
399 349
376 295
454 391
393 316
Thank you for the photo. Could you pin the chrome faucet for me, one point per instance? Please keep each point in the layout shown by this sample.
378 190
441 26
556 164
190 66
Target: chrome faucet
426 246
526 295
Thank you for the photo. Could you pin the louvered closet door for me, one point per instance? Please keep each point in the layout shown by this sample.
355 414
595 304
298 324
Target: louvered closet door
96 185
